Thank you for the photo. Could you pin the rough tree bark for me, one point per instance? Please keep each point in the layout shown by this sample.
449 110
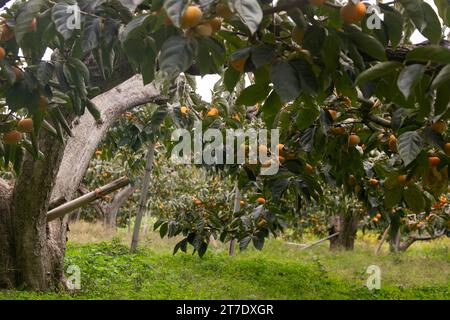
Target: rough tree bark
32 250
347 225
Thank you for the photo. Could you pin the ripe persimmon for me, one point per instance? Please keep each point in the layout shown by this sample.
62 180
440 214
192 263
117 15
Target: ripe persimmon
297 35
333 113
439 126
12 137
337 131
223 11
353 13
434 161
2 53
213 112
261 200
262 149
191 17
447 149
43 103
353 140
184 109
215 23
197 202
392 143
6 33
401 179
374 182
261 223
25 125
351 180
18 73
204 30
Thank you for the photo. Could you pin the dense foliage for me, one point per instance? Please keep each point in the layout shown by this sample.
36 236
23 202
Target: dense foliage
358 108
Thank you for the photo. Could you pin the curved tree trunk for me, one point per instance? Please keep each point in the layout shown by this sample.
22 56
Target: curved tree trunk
32 250
112 209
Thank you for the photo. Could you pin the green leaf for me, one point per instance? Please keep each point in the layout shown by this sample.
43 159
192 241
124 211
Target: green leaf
284 78
174 10
131 4
414 10
443 7
91 34
392 197
367 44
253 94
414 199
177 54
92 108
135 28
409 78
305 74
271 108
430 53
307 114
442 78
211 55
258 241
394 23
298 17
25 17
377 71
263 54
409 146
249 11
330 51
44 72
432 29
231 78
62 13
243 244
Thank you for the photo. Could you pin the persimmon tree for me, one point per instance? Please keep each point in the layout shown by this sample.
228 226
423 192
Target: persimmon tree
357 107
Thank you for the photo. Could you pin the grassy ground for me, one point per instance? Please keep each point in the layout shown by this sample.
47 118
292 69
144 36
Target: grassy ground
280 271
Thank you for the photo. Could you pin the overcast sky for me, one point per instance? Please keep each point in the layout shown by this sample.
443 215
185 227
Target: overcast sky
206 83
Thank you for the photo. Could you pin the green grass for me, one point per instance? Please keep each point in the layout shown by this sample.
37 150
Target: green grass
280 271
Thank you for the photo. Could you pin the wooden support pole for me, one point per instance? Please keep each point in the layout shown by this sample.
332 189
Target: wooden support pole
68 207
314 243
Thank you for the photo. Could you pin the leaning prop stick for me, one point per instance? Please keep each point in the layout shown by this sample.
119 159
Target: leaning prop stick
314 243
68 207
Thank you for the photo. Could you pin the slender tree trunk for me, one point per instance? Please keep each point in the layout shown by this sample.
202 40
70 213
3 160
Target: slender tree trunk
237 207
347 225
144 194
